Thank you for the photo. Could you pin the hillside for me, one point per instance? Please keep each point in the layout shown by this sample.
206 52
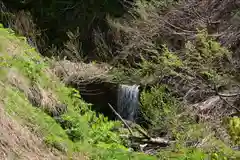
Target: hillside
40 117
140 80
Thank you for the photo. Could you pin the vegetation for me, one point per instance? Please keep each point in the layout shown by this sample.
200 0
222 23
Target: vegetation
22 68
192 140
185 51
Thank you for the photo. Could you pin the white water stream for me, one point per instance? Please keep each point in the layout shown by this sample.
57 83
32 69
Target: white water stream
128 101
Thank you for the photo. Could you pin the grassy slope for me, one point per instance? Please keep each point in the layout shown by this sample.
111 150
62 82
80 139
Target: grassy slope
30 133
14 61
21 68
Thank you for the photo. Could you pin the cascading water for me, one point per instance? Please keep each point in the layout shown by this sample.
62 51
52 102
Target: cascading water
128 101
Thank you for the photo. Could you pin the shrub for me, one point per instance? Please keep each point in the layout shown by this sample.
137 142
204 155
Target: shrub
159 107
234 129
205 54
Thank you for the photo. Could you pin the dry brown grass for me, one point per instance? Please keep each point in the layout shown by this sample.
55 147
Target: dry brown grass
45 99
11 48
68 71
38 96
19 81
22 23
17 142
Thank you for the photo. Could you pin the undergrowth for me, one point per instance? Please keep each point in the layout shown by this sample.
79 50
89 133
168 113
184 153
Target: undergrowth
159 107
193 140
205 57
79 129
234 129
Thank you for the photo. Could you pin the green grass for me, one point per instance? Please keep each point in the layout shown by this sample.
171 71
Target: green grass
83 132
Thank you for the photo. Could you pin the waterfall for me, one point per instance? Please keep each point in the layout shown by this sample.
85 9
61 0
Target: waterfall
128 101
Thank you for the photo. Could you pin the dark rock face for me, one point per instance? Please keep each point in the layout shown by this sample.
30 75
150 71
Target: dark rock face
99 94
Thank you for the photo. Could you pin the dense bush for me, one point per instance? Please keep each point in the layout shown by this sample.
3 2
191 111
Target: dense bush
159 107
193 139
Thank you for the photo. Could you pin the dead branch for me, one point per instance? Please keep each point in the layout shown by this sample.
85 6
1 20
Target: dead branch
157 140
238 110
118 115
146 138
143 133
228 95
139 129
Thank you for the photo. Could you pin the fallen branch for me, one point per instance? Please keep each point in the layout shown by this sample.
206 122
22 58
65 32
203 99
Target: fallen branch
138 128
146 138
158 141
118 115
143 133
228 95
125 123
238 110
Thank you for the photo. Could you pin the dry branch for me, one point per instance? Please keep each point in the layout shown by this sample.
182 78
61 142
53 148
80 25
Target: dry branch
158 141
118 115
221 95
228 95
238 110
146 138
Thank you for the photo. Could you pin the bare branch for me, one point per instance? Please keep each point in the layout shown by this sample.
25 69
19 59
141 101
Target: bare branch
238 110
158 140
228 95
118 115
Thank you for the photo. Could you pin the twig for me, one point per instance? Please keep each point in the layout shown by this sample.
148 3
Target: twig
118 115
238 110
143 133
222 94
158 140
179 28
228 95
146 138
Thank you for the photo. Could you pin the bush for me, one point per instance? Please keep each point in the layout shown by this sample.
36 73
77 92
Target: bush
234 129
159 107
205 54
